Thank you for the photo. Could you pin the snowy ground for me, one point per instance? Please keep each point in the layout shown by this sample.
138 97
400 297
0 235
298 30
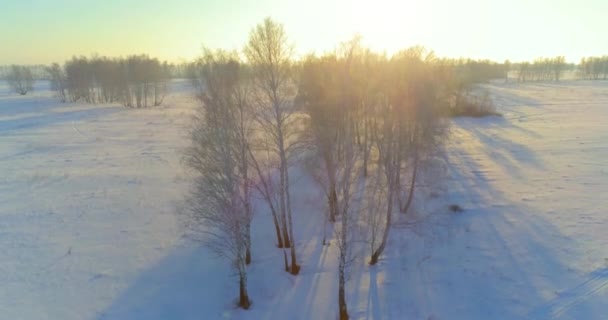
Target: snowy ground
88 230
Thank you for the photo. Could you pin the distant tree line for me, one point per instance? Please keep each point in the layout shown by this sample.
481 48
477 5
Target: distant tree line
476 71
136 81
37 70
92 79
594 68
541 69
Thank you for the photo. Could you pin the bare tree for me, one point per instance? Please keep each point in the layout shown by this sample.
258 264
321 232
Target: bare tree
266 187
319 95
346 180
58 81
374 201
220 201
136 81
20 79
426 135
523 73
559 65
160 76
542 69
388 162
414 104
269 55
325 93
344 234
369 76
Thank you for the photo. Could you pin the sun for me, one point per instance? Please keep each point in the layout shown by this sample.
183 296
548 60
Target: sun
387 25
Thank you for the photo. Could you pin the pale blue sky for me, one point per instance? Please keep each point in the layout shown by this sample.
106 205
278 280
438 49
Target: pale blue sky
38 31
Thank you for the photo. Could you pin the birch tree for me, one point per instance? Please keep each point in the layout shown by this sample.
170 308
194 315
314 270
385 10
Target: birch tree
325 93
318 96
269 54
220 201
387 142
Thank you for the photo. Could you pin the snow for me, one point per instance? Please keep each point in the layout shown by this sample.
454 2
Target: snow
86 201
88 230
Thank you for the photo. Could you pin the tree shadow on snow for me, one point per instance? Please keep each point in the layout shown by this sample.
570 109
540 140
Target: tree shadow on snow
498 259
189 283
46 116
492 141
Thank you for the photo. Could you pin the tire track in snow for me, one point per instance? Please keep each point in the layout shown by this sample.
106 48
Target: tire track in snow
597 282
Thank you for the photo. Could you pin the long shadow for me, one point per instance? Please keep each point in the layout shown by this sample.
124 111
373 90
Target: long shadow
14 105
52 118
489 136
518 260
374 307
312 294
504 97
506 275
496 260
572 298
520 153
501 123
189 283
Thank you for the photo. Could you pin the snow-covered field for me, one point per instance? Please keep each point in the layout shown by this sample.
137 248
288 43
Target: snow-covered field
88 229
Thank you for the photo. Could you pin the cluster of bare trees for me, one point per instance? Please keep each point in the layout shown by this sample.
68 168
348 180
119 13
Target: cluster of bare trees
20 79
370 117
136 81
243 142
456 80
594 68
365 120
472 71
541 69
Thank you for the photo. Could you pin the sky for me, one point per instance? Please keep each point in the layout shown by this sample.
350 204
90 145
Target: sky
46 31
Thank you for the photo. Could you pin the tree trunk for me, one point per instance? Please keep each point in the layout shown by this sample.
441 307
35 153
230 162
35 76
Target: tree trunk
330 170
156 94
410 195
277 230
243 296
283 185
358 134
248 254
333 203
295 268
286 240
365 148
248 242
344 247
378 252
145 95
342 295
265 191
